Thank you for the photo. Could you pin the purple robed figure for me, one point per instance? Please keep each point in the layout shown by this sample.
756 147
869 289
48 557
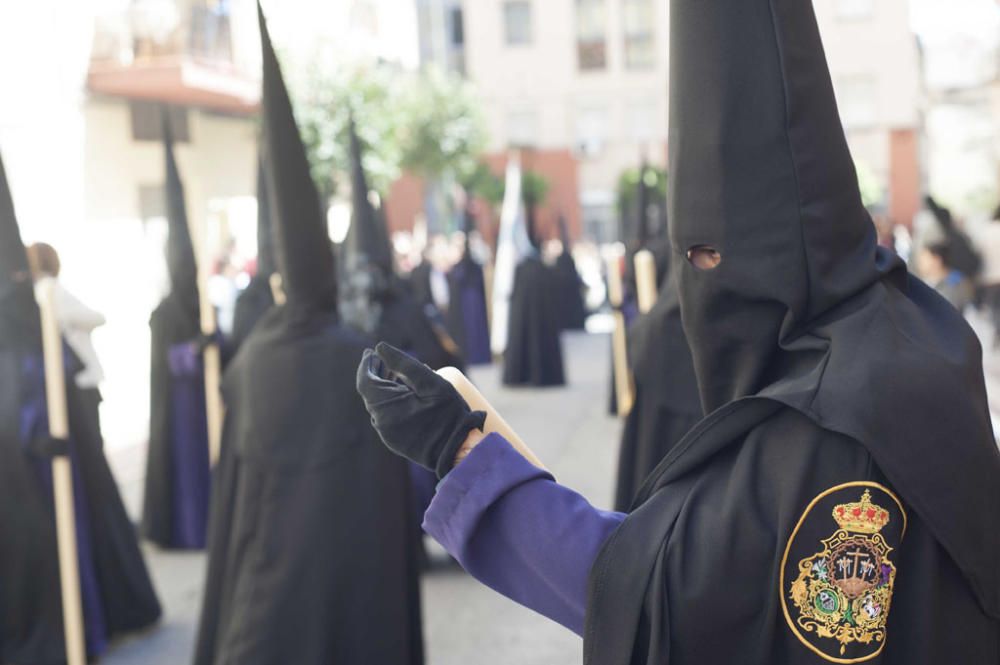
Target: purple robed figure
496 501
34 424
467 317
189 448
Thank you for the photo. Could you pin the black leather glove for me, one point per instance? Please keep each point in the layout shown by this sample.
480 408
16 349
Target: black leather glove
418 414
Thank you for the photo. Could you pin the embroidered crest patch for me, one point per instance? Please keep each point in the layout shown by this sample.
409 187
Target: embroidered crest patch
837 574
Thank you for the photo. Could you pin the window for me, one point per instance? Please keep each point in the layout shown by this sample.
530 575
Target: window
517 22
522 128
457 28
857 99
591 51
854 9
147 121
640 39
591 129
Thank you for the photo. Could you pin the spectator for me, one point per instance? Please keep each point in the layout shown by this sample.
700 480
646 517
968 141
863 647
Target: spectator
76 321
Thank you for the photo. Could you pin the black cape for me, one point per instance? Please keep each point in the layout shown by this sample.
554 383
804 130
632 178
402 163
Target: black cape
666 402
847 466
312 554
534 350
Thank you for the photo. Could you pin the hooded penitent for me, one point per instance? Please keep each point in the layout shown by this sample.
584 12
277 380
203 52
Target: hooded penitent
312 547
467 316
374 300
258 297
840 502
666 402
572 309
533 356
175 508
115 587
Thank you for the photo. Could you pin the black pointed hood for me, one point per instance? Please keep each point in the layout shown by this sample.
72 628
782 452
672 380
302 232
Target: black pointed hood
302 244
265 236
181 264
368 236
804 308
761 172
19 325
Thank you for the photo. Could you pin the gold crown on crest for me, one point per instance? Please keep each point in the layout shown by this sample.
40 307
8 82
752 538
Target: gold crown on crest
861 517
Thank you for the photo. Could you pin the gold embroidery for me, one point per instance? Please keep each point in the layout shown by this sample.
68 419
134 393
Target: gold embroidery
844 591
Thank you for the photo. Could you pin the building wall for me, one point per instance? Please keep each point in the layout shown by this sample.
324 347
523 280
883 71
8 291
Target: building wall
536 93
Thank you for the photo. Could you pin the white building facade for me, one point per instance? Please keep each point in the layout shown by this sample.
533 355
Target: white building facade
591 76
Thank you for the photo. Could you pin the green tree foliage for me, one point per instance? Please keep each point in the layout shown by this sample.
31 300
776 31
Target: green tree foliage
326 99
628 186
482 182
443 131
428 123
534 189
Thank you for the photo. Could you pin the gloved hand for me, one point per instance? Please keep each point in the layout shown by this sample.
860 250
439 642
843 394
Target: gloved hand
418 414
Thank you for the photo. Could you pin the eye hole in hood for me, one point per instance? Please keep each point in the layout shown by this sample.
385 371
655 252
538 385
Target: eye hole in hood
704 257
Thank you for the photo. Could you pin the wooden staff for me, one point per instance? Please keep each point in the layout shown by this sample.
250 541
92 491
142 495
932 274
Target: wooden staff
62 480
624 393
645 279
494 421
277 289
211 356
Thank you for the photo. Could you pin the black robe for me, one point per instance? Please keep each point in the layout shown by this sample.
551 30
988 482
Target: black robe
534 349
174 321
572 309
31 628
313 558
666 402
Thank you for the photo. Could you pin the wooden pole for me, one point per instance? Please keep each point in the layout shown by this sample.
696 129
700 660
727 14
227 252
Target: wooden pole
212 358
62 480
277 289
494 421
645 279
624 393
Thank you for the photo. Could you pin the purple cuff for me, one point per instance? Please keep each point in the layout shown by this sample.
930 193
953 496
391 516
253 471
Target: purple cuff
515 529
492 469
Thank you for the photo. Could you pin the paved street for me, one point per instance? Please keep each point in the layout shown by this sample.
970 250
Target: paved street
464 622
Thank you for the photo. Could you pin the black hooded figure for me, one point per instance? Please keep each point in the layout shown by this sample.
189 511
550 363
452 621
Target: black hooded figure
312 551
175 509
572 309
373 299
840 501
467 317
649 236
257 298
534 348
666 403
116 591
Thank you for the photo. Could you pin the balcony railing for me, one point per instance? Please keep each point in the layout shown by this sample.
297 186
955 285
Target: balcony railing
177 51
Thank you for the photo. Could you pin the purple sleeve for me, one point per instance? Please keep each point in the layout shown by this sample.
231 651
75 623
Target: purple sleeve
519 532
